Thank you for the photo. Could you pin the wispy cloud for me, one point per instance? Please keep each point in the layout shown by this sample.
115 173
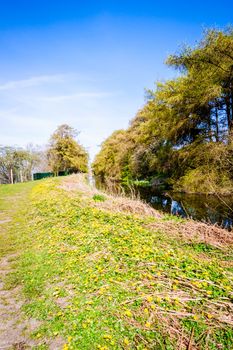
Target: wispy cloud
75 96
33 81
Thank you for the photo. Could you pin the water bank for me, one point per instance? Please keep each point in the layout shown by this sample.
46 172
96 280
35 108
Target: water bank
209 208
108 272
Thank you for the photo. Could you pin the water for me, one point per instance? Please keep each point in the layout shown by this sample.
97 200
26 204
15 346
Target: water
207 208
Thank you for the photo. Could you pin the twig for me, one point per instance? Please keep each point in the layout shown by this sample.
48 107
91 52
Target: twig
190 340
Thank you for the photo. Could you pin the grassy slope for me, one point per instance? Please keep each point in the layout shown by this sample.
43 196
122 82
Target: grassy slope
103 280
12 200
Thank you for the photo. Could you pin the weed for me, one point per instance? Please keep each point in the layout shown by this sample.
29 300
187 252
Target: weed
106 280
99 198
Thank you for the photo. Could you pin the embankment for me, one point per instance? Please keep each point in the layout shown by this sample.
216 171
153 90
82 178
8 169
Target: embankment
103 272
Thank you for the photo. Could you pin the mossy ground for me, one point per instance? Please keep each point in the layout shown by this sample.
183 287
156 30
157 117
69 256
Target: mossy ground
103 280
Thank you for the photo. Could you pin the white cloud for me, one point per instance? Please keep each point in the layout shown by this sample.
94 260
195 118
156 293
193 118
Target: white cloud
33 81
75 96
30 114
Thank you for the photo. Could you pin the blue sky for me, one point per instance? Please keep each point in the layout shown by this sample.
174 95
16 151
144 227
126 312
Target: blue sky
87 63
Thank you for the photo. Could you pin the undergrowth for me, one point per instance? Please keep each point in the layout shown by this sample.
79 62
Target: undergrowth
103 280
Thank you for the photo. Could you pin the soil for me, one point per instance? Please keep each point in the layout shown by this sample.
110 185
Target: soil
14 329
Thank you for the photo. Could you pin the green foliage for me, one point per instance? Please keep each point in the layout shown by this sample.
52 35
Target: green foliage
109 162
64 153
141 183
16 164
103 280
204 247
184 131
99 198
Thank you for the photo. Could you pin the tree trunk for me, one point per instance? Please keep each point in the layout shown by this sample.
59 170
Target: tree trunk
21 175
209 124
11 176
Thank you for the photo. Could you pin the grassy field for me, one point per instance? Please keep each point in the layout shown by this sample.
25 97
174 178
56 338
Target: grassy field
12 200
95 277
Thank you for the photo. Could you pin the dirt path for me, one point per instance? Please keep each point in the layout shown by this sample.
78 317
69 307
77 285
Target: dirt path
12 325
14 329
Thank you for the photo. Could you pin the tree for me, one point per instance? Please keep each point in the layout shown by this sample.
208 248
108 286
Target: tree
16 164
211 61
65 153
184 126
107 164
38 158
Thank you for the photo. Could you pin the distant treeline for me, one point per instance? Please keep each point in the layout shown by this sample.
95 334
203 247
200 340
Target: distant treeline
63 155
183 136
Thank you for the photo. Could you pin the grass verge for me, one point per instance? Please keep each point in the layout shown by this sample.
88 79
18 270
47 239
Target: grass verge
98 279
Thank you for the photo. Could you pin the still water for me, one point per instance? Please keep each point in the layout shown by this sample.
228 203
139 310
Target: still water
207 208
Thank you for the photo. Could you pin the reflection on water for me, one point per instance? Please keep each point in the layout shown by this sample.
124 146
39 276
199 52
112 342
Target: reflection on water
206 208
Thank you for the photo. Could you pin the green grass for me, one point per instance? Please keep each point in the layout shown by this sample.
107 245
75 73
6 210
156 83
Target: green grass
12 199
9 192
99 198
103 280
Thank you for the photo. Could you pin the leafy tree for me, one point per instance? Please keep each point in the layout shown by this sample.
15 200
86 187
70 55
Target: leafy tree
212 62
184 131
65 153
108 162
16 164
